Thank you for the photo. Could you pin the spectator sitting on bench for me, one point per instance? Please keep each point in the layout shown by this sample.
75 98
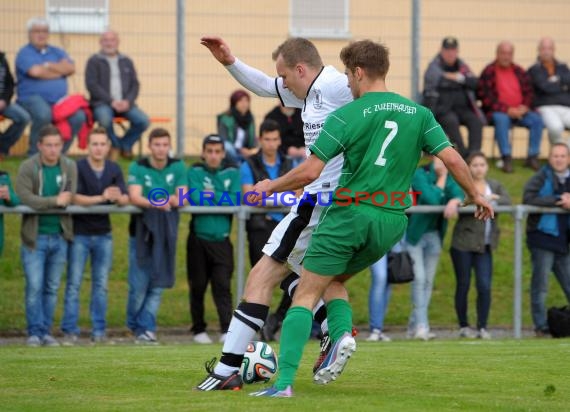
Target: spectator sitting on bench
291 130
551 80
506 94
42 72
19 117
450 94
113 86
237 127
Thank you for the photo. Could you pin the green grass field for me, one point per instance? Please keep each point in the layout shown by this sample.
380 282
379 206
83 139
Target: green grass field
174 310
503 375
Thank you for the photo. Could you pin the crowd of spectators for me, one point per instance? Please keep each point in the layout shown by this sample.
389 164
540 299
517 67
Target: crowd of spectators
237 157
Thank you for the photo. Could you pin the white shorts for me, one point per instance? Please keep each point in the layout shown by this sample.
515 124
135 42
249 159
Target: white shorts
289 240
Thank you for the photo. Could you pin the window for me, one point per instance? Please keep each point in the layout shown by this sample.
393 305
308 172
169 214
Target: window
320 18
77 16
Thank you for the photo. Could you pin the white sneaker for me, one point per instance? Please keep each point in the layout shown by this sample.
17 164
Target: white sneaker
48 340
202 338
147 338
423 333
34 341
484 334
374 335
222 338
467 332
69 339
377 336
384 338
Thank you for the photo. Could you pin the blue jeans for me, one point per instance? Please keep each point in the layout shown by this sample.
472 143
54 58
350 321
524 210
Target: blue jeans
482 263
40 112
532 121
43 267
138 120
20 119
144 300
380 291
543 262
100 249
426 256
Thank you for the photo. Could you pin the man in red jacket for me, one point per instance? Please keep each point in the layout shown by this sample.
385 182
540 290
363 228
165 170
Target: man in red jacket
506 93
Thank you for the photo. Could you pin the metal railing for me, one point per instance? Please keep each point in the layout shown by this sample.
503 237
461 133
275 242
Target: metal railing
242 213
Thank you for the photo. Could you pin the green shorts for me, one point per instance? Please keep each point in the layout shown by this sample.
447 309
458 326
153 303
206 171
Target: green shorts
348 239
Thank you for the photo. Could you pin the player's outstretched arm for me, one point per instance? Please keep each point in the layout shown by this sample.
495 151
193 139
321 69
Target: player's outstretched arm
460 171
249 77
219 49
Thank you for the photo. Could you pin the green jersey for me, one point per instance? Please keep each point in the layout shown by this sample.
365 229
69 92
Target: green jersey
212 187
51 186
381 135
170 177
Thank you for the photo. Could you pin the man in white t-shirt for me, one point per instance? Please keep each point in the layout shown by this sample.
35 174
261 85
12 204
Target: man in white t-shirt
318 90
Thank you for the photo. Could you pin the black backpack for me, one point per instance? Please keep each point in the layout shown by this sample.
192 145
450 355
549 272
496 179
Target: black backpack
400 267
559 321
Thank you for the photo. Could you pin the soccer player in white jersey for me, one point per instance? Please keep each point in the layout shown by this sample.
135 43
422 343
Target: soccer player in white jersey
304 82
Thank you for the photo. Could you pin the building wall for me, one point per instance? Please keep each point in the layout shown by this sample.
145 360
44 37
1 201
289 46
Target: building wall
253 28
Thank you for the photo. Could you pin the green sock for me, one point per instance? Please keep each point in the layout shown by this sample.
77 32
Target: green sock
339 316
295 333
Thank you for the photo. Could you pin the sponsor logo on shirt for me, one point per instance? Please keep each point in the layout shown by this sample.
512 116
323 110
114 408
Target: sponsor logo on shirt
318 101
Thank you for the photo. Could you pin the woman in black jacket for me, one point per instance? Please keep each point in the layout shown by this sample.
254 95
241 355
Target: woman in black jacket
471 248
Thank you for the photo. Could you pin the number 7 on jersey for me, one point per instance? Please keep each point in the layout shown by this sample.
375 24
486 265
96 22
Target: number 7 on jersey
393 126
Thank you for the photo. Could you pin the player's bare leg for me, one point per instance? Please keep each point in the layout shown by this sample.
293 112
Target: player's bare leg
263 279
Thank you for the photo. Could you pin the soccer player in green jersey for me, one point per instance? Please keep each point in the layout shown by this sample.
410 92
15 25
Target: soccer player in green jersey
381 135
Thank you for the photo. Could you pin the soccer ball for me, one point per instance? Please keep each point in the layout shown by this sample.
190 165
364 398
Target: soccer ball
259 363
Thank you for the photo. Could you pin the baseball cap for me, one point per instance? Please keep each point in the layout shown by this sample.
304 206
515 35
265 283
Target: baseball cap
450 43
212 138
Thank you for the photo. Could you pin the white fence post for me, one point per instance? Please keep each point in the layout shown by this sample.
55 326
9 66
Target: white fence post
242 216
519 213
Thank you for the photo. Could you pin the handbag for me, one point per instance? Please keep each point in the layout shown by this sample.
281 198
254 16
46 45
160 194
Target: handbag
400 267
559 321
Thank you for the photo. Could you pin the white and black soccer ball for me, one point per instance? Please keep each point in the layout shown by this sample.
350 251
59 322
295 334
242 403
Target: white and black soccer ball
259 363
